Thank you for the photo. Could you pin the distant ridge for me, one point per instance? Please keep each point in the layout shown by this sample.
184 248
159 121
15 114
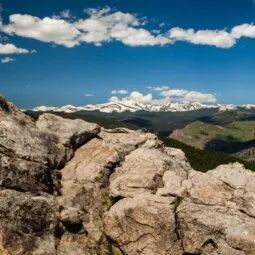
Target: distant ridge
135 106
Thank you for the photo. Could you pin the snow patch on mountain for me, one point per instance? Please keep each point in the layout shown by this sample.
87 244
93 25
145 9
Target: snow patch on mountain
135 106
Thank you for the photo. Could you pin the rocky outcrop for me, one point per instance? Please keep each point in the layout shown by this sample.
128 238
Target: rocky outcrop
71 187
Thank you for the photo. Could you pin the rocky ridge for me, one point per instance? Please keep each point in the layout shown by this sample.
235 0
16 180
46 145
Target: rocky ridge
72 187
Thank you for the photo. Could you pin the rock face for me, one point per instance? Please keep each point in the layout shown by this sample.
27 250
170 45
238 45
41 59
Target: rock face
69 187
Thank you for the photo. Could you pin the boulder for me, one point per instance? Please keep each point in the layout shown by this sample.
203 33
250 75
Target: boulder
28 156
230 185
20 138
124 140
206 229
91 163
144 225
25 175
142 172
70 133
27 224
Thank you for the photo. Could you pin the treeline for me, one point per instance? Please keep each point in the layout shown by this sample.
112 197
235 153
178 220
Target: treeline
204 160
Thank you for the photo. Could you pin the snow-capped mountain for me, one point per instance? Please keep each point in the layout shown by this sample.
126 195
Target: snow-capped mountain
135 106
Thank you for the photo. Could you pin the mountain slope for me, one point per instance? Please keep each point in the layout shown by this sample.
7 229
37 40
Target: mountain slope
237 138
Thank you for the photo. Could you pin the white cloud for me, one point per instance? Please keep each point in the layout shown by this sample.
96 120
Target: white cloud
138 97
161 88
89 95
121 92
12 49
138 37
218 38
98 28
245 30
174 93
134 96
47 29
101 26
106 25
114 99
194 96
7 60
188 96
170 95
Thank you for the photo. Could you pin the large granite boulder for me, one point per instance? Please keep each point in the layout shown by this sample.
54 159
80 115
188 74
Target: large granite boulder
144 225
70 133
125 141
206 229
141 172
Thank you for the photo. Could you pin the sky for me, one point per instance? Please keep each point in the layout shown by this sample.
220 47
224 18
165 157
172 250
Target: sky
87 52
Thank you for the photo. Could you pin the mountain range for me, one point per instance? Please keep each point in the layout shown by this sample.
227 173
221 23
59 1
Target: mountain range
135 106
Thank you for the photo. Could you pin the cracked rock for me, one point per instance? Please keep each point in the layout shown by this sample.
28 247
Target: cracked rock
143 225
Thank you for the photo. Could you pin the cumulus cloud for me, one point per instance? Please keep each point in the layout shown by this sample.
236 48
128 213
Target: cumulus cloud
12 49
121 92
139 97
245 30
114 99
194 96
160 88
7 60
188 96
166 96
173 93
47 29
218 38
138 37
102 25
134 96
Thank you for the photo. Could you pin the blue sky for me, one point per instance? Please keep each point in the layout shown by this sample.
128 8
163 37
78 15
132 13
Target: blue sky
59 52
